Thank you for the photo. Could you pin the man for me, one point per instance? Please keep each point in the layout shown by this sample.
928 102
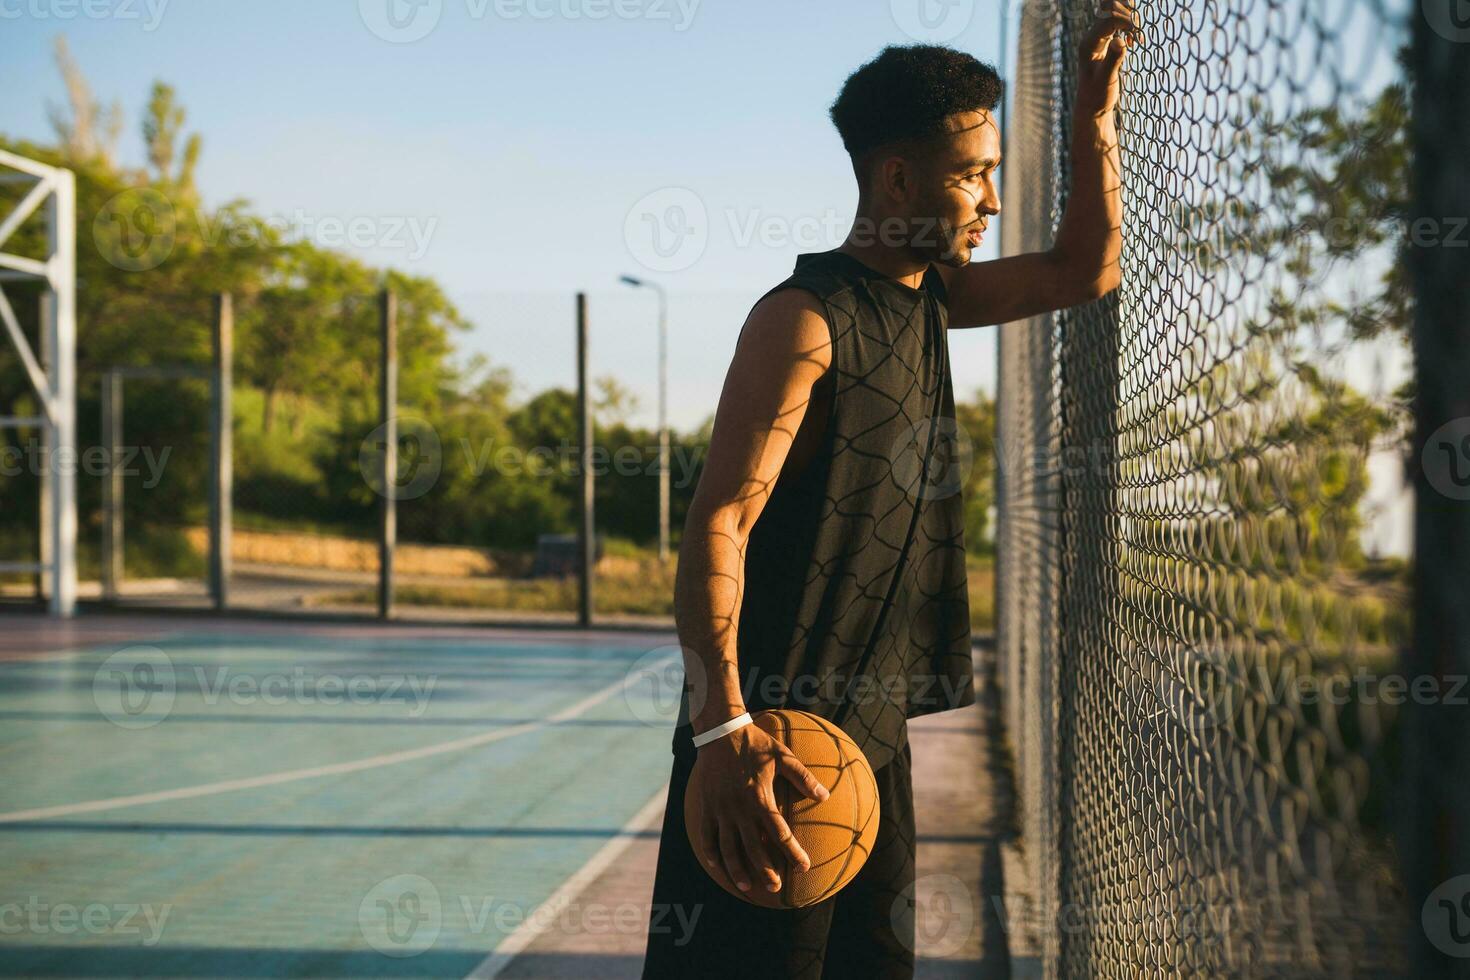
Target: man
823 562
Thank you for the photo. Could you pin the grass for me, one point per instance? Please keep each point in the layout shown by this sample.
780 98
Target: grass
629 586
280 525
630 581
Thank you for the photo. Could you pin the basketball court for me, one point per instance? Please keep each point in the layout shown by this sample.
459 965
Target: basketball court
193 796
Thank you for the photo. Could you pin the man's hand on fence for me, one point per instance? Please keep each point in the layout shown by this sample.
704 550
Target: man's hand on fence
1100 56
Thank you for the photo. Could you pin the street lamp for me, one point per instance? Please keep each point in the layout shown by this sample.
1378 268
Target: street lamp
663 420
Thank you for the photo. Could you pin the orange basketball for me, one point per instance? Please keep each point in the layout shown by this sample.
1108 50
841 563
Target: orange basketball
837 833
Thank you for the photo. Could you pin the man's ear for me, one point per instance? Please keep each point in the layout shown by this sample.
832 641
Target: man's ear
895 177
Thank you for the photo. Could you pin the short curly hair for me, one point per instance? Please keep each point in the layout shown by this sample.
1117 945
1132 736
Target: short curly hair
906 92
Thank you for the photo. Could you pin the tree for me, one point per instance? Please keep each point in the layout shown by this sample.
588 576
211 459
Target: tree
151 258
85 131
1337 184
976 421
162 125
613 402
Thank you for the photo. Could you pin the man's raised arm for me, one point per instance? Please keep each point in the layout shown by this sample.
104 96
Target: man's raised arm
1082 263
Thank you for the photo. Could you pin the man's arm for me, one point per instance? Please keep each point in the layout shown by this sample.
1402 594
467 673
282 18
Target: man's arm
1082 263
784 348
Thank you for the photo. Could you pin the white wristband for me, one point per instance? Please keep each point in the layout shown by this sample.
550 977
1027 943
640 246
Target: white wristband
739 721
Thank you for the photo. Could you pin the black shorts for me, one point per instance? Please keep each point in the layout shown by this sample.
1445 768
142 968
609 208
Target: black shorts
699 930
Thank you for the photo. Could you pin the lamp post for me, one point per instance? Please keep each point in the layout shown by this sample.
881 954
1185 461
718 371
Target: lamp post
663 421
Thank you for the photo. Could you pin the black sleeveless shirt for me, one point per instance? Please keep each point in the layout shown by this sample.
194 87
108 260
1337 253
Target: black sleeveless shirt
856 605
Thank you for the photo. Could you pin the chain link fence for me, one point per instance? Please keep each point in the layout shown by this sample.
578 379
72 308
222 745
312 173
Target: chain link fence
1203 540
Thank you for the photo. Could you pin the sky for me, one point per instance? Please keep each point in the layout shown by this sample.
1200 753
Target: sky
519 151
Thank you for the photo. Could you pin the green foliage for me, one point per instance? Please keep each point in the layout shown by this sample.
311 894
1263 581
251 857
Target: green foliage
162 125
977 421
1327 261
151 260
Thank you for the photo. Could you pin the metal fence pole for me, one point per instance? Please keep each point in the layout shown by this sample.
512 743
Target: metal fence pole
1028 478
221 495
586 528
388 426
43 536
62 221
112 487
1436 828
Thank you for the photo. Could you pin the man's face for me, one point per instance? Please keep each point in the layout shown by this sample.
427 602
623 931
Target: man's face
954 195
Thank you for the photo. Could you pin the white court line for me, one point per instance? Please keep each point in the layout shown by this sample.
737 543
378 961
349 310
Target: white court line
548 911
294 775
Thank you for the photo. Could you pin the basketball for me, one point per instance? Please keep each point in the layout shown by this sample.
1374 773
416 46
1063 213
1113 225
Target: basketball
837 833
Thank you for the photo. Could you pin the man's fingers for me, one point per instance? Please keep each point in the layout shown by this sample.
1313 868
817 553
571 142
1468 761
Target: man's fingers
778 830
759 857
1107 28
1120 17
792 768
709 840
1101 47
730 852
1114 18
1118 9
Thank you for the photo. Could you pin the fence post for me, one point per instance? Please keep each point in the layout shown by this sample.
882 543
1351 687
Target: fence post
1435 828
43 536
1028 484
62 325
222 473
112 487
586 528
388 427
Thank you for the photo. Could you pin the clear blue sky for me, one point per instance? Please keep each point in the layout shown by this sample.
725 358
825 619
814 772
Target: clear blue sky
518 136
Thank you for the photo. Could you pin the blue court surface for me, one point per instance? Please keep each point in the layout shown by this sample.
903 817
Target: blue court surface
212 798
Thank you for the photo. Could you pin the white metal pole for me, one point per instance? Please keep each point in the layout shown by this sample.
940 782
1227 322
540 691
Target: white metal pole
43 578
62 433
